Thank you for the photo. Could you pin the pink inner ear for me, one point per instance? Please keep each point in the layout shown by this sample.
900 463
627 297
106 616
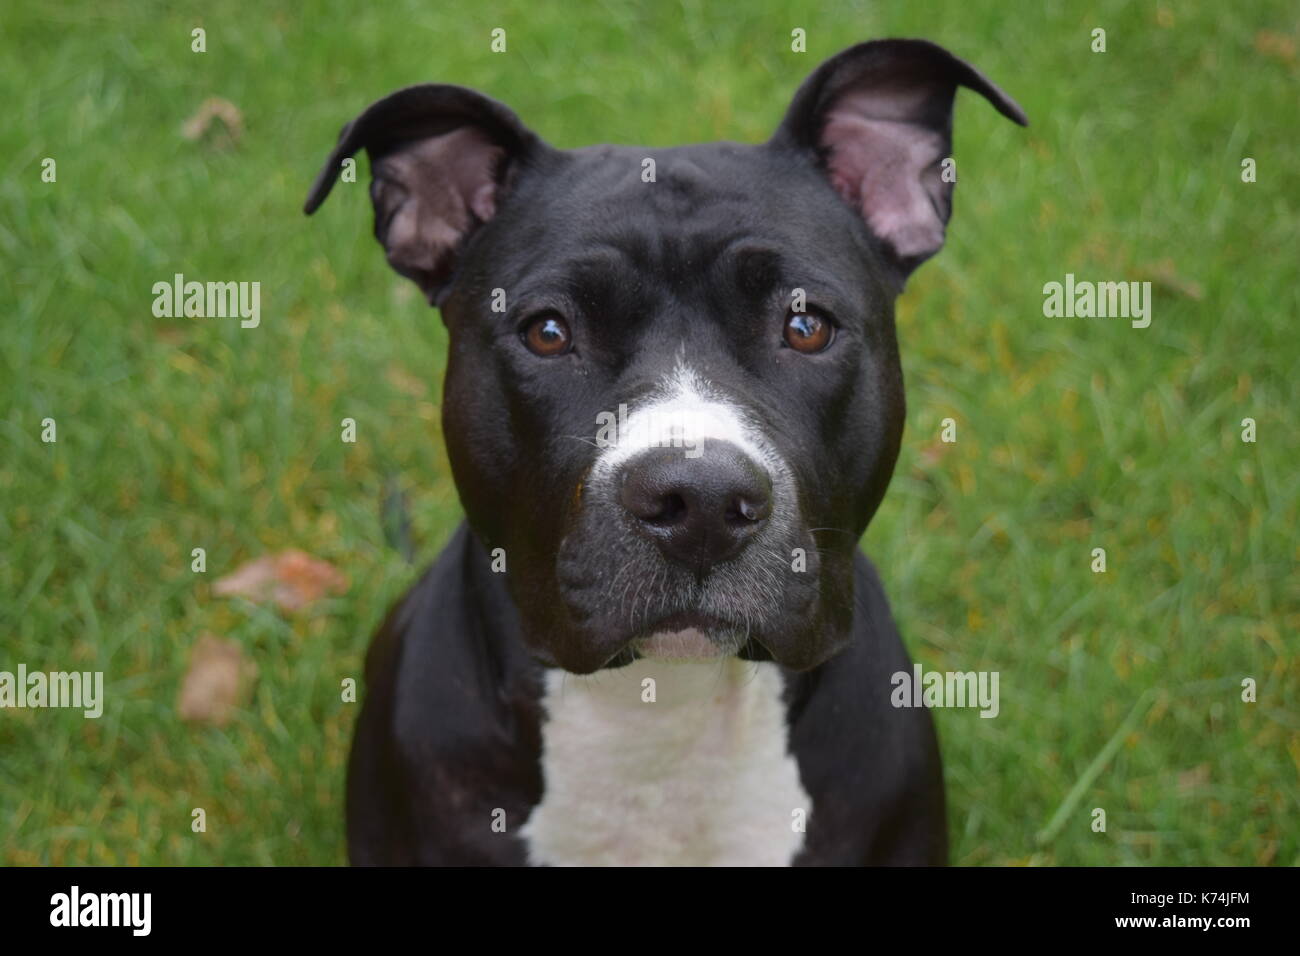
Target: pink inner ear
431 193
471 160
484 201
883 166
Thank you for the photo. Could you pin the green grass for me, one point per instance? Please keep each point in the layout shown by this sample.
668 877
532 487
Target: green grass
1072 433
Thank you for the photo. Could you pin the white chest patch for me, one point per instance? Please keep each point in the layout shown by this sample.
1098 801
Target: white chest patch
668 763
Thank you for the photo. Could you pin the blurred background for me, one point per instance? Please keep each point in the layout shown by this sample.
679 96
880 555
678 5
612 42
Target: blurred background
1119 690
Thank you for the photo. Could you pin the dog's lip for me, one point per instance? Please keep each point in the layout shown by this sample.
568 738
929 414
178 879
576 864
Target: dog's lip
686 635
687 644
686 620
672 642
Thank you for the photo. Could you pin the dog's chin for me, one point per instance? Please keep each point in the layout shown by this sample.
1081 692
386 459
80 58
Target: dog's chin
688 637
688 644
677 637
682 637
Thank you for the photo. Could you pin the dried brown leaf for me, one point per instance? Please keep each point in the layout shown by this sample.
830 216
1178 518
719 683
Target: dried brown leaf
292 580
216 682
215 108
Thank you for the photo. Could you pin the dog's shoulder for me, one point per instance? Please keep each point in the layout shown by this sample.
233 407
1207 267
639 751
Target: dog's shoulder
449 730
873 771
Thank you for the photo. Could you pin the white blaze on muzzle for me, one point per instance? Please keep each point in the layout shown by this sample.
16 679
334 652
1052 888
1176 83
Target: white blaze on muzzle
683 413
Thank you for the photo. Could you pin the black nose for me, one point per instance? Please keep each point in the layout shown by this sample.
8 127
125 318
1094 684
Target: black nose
701 510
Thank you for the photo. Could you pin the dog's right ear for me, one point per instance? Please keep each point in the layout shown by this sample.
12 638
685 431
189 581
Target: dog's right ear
441 159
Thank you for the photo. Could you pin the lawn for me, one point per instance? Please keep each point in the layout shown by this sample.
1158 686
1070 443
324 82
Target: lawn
1121 690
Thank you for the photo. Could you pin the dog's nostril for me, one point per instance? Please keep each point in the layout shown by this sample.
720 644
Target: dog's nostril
743 511
670 510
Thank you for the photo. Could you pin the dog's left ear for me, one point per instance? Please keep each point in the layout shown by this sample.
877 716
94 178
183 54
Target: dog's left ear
878 118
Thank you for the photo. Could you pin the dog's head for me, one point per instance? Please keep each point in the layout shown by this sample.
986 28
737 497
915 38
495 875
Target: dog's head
673 393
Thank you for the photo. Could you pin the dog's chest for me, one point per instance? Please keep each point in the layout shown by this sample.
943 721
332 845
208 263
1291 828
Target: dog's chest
668 764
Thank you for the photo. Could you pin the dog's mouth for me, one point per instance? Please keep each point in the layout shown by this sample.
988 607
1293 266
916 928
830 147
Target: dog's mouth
691 636
687 644
736 612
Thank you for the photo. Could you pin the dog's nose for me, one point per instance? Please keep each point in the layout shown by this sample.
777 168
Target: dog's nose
700 510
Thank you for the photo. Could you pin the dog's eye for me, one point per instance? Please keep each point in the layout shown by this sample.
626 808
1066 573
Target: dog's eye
547 335
808 332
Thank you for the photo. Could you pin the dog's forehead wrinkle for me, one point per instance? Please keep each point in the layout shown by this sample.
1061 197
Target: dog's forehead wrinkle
749 221
723 184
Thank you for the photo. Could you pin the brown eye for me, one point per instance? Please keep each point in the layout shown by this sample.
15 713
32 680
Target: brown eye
547 335
808 332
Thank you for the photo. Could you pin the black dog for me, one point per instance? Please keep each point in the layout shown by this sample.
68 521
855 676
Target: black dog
673 403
